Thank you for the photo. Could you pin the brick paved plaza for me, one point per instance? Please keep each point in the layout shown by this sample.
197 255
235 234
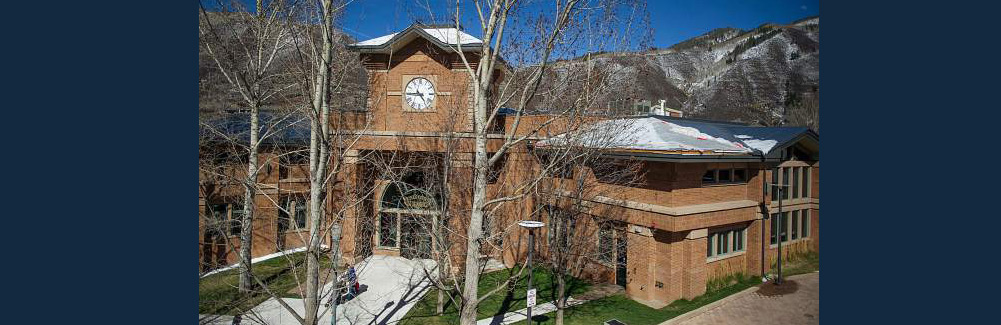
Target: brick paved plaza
800 307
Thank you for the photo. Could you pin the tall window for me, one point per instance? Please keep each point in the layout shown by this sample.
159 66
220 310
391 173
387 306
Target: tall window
236 219
785 226
606 245
300 213
806 183
726 242
785 181
795 181
218 218
283 213
775 226
805 224
795 225
774 189
387 229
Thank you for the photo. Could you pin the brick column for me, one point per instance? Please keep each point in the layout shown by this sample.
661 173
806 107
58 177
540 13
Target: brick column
694 281
460 203
349 202
752 248
642 266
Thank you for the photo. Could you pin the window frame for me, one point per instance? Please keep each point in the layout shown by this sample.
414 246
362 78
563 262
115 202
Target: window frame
794 226
716 177
235 223
610 254
723 243
795 182
395 230
803 226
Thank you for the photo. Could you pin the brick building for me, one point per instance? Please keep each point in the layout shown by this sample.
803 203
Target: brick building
702 211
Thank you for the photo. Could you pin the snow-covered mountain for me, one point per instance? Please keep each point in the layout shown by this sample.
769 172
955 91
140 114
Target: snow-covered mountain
769 75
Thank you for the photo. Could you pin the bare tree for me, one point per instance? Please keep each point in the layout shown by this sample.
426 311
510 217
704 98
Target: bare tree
249 53
563 29
583 177
293 42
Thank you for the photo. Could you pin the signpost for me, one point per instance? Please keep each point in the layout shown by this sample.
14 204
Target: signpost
530 225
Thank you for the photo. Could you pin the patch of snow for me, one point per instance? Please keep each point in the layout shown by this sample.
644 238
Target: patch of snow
449 36
743 136
259 259
643 134
764 145
376 41
452 35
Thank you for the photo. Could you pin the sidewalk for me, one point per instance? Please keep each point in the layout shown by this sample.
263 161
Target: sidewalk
520 315
394 286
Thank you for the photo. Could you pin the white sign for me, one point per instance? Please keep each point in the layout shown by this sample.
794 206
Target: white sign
531 298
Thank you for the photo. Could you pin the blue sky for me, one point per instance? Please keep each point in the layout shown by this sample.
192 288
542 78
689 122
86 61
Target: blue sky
673 21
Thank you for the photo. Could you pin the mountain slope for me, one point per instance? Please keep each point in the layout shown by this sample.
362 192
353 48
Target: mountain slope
769 75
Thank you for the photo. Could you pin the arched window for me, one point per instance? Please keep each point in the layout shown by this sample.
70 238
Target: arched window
406 215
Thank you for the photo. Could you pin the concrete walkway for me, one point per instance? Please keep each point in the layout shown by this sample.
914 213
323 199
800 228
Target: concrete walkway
521 315
748 307
394 285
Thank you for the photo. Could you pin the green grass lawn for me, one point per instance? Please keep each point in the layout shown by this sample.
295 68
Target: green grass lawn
497 304
218 293
633 313
799 264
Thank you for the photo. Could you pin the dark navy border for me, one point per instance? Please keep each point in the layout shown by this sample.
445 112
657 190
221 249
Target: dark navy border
101 128
908 115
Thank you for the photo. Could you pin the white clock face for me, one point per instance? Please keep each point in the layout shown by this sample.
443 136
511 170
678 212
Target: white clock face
419 93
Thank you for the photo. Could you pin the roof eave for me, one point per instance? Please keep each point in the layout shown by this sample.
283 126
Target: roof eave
387 45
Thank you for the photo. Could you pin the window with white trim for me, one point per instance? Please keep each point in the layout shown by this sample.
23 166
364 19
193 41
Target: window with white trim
796 225
726 242
795 179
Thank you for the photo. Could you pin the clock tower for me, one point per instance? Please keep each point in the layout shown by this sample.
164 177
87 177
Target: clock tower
417 79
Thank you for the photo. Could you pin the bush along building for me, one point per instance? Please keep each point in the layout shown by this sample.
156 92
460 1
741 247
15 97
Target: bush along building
702 205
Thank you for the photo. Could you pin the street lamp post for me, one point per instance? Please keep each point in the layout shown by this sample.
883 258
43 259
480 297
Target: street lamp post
781 222
531 226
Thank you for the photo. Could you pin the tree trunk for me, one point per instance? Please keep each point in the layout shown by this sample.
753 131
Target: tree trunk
440 309
560 298
250 190
318 159
472 280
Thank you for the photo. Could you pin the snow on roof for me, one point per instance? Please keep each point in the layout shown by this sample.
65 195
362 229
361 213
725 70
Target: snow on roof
764 145
377 41
450 36
660 133
645 134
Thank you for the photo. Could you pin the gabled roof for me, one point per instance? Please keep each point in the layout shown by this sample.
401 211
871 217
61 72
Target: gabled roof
445 37
672 137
